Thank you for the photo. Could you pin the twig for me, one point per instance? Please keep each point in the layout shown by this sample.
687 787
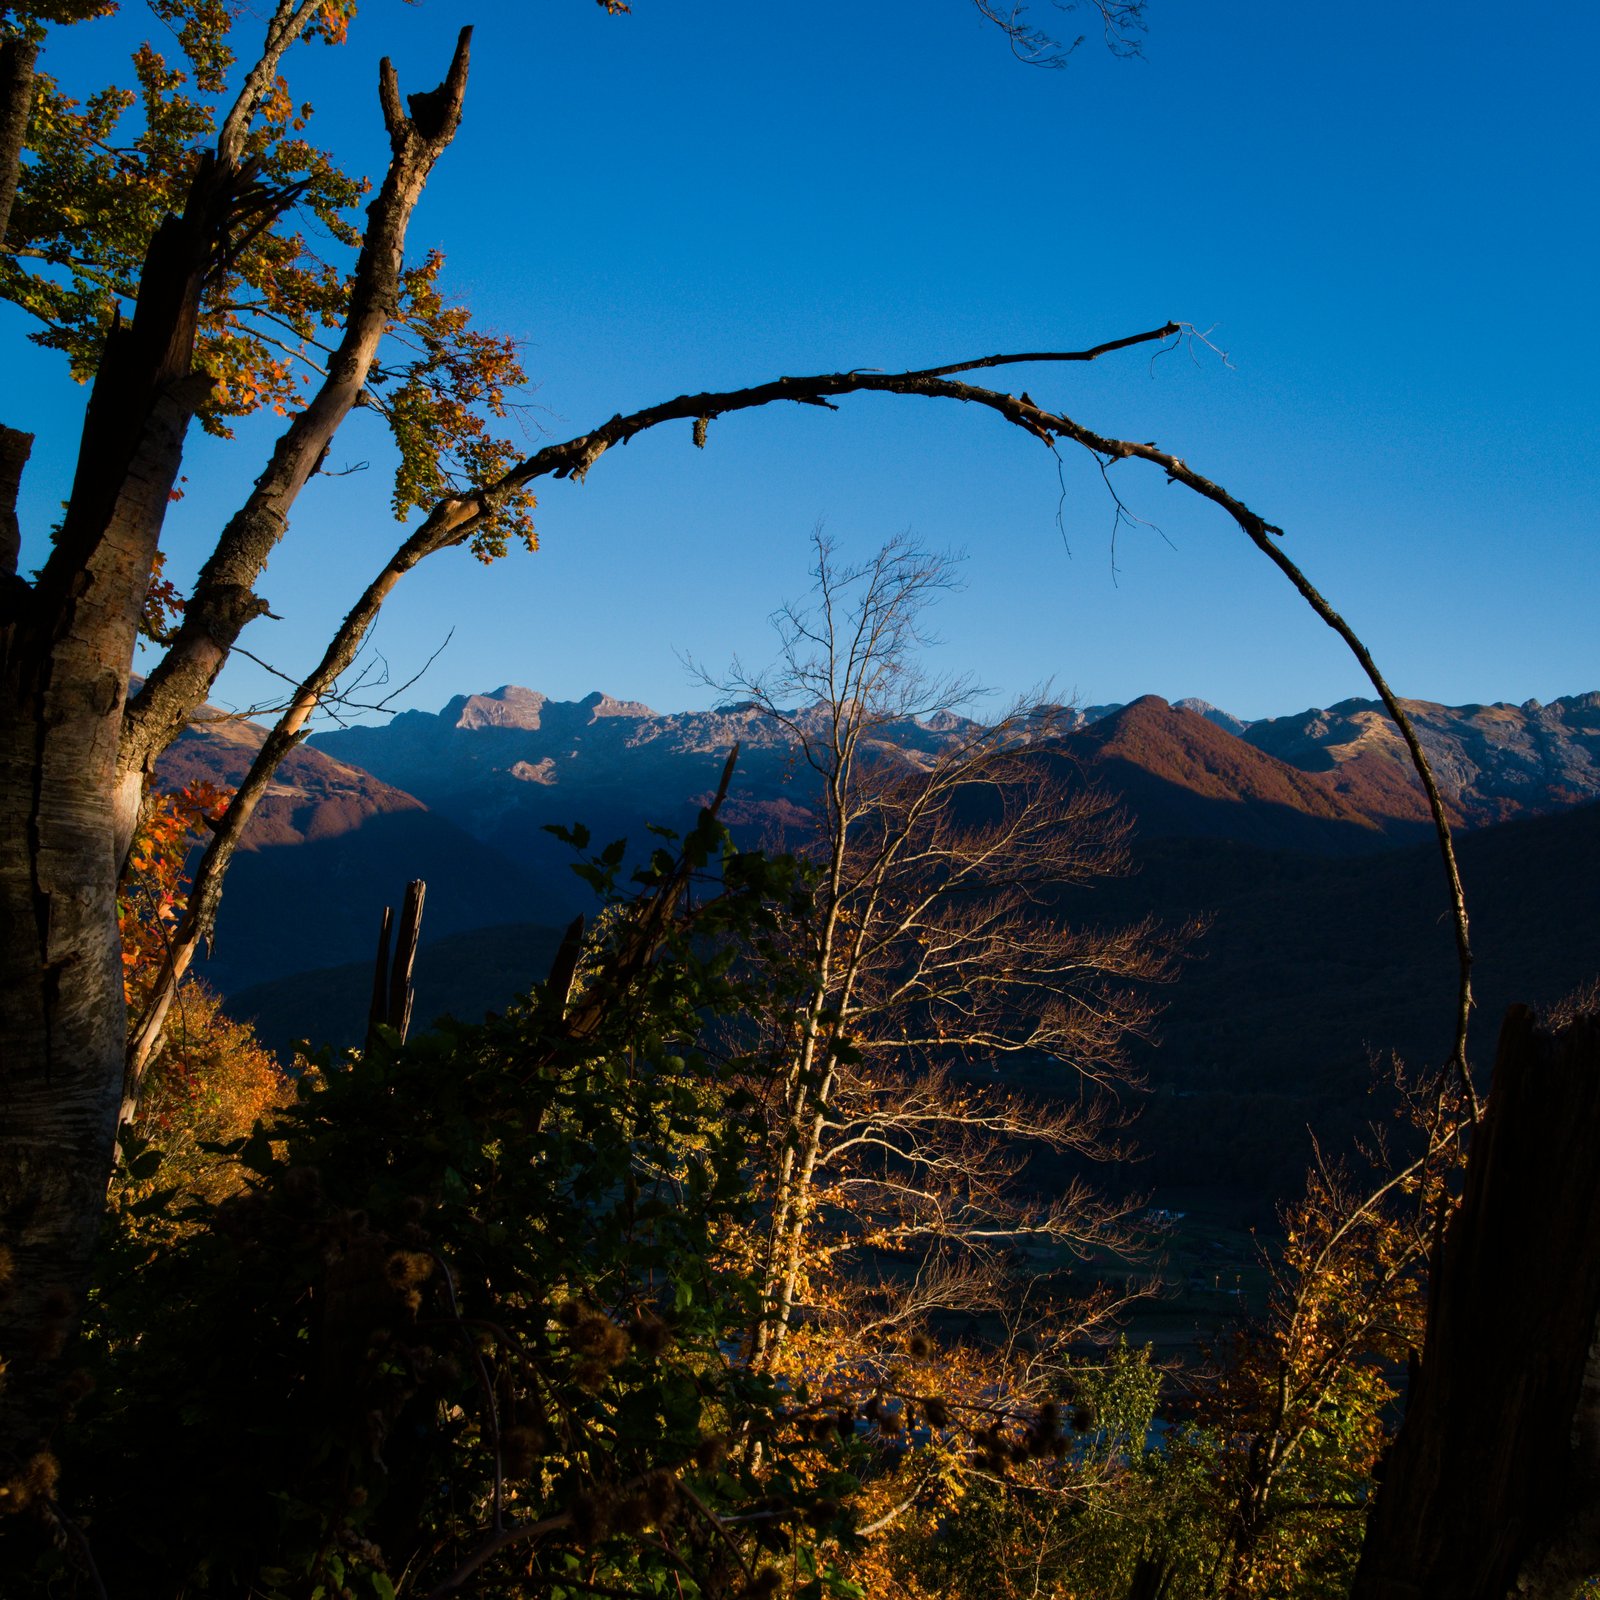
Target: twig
488 1391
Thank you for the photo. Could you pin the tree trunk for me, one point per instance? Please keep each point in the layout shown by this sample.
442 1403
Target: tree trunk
392 992
224 600
66 644
17 56
1493 1486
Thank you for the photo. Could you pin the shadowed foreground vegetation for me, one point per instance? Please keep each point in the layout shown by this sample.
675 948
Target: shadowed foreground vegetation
472 1314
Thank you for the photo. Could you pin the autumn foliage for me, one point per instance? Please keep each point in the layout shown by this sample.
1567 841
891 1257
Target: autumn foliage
155 883
212 1079
107 166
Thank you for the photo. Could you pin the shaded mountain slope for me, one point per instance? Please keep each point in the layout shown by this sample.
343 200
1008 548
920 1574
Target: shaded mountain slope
506 765
330 846
1312 966
496 770
1328 941
291 908
312 796
463 975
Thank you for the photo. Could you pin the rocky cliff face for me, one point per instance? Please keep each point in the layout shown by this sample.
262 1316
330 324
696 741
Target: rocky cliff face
1496 761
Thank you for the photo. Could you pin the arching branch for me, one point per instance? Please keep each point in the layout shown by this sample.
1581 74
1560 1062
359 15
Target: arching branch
454 519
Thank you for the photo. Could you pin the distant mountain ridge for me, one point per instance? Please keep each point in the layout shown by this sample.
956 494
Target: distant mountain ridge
464 796
1290 833
1494 761
1181 774
507 763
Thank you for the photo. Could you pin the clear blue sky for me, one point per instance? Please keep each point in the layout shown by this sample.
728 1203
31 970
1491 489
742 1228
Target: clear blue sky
1388 219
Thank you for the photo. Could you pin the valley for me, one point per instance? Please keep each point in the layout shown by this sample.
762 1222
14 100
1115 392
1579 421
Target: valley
1304 840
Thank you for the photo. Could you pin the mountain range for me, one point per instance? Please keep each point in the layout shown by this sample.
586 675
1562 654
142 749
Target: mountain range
495 761
1306 840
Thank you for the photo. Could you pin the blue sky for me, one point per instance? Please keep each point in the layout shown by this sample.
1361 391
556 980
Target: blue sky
1389 224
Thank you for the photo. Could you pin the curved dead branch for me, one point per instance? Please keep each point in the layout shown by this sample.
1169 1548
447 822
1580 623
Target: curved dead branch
453 520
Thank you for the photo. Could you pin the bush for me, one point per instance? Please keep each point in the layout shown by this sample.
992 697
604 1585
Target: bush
470 1310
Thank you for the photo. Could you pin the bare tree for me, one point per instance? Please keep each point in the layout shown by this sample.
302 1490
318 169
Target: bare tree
935 957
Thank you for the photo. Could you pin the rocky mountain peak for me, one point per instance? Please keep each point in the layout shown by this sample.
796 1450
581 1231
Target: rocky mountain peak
1204 708
600 705
509 706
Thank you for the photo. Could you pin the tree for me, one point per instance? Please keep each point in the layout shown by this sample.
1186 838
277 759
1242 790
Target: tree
1297 1412
937 968
168 270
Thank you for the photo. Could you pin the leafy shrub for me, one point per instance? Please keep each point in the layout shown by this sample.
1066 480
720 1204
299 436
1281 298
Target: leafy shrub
469 1316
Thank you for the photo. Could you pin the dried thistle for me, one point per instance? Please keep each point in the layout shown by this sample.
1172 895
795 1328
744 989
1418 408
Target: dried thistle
650 1335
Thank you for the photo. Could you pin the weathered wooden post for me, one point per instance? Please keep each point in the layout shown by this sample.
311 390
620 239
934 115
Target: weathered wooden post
392 993
1492 1488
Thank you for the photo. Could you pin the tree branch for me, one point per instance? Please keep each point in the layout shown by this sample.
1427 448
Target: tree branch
453 520
224 601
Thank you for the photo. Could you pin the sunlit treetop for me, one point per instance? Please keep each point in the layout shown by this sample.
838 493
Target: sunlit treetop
103 168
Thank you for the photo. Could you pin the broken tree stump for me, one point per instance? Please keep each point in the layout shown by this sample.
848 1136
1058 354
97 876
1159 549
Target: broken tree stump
1492 1488
392 993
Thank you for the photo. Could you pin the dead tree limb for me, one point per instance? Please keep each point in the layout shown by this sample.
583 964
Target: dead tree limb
224 601
392 992
454 519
